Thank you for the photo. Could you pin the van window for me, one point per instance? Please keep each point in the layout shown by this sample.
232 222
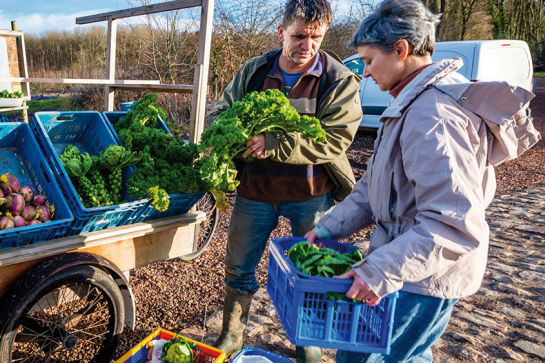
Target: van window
506 63
356 66
447 54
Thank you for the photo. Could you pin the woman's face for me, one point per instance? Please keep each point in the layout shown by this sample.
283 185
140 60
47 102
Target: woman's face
385 68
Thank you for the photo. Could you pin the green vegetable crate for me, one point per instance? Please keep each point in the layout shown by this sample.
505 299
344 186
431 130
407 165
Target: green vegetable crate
139 354
179 203
90 133
309 317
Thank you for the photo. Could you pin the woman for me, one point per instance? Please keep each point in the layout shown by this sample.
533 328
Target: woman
429 180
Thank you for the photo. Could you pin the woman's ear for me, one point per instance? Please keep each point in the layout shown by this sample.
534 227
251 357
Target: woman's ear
402 49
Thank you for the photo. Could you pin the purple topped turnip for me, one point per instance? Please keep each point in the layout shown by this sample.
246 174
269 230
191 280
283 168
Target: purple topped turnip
14 203
5 190
6 223
43 213
10 181
19 221
39 200
27 193
28 213
33 222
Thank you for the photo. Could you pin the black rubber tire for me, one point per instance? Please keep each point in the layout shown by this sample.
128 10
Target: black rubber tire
21 305
207 228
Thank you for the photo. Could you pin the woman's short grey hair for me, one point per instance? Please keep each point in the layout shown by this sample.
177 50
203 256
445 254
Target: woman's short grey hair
393 20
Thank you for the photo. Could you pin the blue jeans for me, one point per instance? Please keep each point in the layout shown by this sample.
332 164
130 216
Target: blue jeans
251 225
419 322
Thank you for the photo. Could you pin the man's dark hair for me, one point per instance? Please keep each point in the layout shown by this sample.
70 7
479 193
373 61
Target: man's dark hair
311 11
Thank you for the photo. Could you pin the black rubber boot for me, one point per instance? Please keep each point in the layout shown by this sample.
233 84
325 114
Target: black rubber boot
308 354
236 307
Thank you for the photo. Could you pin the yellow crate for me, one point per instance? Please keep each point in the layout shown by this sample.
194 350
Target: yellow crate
139 354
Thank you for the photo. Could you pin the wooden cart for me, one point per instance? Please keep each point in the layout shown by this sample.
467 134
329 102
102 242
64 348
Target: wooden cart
68 300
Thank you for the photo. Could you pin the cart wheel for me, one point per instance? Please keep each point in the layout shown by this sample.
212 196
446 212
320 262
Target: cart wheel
75 316
207 228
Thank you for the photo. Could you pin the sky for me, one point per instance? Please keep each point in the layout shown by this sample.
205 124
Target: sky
37 16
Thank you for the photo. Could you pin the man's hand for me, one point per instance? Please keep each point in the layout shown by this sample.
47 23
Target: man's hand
359 289
256 147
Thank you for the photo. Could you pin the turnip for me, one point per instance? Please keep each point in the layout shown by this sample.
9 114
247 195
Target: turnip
33 222
27 193
6 223
28 213
14 203
19 221
5 190
42 213
10 181
39 200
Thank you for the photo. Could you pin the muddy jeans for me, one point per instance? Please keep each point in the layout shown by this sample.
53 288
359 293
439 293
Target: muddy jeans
251 225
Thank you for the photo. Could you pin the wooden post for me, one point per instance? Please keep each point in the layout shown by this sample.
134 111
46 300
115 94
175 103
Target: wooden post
200 82
25 86
109 93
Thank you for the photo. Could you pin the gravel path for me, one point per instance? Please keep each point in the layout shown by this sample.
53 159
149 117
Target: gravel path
504 322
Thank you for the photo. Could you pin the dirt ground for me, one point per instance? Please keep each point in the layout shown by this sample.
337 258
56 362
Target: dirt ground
177 295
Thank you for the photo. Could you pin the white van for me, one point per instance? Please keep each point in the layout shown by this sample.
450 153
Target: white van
484 60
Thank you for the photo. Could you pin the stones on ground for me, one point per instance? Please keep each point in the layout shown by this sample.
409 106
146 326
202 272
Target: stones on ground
214 322
481 320
532 276
532 348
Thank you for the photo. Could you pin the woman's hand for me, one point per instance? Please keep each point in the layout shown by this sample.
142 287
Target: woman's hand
359 289
311 236
256 147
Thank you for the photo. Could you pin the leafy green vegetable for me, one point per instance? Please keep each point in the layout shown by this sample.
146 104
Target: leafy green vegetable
325 262
97 179
167 165
179 350
257 112
7 94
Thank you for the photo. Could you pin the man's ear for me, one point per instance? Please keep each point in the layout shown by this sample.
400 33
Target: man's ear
281 32
402 49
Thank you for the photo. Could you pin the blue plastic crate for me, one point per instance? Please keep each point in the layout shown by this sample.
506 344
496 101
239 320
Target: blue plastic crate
127 106
21 156
309 318
90 133
179 204
114 117
250 352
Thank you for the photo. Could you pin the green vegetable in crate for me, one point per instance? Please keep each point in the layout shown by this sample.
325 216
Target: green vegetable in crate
179 350
145 111
98 178
257 112
322 261
7 94
325 262
168 165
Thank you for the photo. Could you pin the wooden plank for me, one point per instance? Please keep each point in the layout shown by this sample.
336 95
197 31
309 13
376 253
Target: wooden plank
109 93
10 33
172 88
140 10
169 241
200 83
93 239
9 109
79 81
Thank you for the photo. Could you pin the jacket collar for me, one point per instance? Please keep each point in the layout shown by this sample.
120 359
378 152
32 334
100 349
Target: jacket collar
432 74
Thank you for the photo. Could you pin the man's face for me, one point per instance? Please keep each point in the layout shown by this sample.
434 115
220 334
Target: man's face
301 41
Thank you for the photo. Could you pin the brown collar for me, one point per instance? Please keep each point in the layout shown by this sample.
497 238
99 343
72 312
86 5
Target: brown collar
396 90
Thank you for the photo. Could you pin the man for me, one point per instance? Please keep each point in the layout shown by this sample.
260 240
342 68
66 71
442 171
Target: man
289 176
